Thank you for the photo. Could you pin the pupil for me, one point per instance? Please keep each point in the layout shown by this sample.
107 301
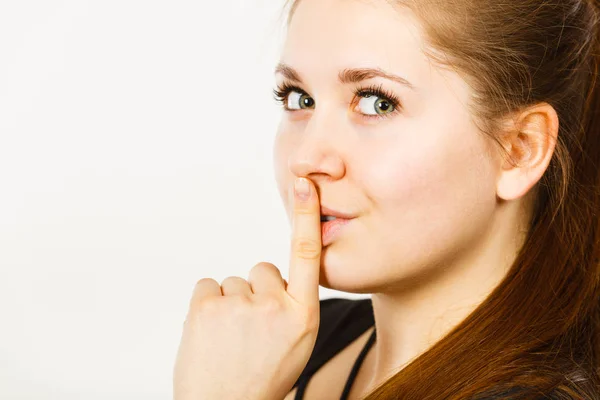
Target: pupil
385 106
307 101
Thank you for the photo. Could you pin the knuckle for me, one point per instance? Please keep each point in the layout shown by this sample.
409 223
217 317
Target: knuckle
200 301
304 210
206 281
240 308
264 267
241 302
207 306
271 305
231 279
306 248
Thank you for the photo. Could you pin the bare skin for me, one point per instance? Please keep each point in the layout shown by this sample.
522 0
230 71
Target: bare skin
440 215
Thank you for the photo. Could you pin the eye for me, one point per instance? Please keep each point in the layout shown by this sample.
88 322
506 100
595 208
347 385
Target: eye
292 97
370 102
376 102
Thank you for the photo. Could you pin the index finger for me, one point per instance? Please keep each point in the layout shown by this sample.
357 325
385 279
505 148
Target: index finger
305 257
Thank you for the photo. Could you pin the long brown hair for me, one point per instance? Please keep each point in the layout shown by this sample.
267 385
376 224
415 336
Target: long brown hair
539 330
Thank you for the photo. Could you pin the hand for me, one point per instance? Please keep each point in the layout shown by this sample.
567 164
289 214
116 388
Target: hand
251 340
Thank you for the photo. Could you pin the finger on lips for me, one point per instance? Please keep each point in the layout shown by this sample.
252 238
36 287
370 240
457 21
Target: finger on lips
305 258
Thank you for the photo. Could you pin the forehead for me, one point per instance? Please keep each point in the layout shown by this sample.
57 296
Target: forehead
325 36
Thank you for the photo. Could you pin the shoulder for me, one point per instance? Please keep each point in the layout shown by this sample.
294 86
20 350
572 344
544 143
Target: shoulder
341 322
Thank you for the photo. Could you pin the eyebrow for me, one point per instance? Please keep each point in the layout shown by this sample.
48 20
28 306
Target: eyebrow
348 75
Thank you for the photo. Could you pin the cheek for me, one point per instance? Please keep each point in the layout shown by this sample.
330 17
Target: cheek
444 178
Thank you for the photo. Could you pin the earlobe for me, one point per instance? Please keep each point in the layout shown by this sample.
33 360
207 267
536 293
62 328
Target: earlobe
529 145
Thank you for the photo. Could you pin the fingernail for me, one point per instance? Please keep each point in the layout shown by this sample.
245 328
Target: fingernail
302 189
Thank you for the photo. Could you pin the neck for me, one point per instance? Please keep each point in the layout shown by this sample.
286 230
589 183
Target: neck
418 312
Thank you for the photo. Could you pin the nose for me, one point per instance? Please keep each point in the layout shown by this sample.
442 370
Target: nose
319 147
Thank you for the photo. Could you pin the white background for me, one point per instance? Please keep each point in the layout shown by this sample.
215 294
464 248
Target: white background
135 158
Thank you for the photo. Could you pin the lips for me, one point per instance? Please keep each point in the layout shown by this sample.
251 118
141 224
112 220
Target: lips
325 211
331 230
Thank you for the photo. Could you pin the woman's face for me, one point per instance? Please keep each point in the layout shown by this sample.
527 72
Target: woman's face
418 178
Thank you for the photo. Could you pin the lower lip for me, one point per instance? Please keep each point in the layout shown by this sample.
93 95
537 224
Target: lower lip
330 230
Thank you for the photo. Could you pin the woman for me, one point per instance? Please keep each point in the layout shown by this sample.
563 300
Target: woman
458 142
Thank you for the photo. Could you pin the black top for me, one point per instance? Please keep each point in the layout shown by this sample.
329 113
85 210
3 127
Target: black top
341 322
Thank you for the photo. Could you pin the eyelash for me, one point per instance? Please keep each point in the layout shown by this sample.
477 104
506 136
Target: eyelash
281 93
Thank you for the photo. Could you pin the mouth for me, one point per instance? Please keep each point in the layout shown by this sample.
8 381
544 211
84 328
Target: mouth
327 218
332 227
328 214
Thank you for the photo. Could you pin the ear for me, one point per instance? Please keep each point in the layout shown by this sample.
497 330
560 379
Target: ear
530 143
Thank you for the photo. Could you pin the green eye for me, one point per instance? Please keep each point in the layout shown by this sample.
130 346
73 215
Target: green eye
385 104
292 97
301 100
380 105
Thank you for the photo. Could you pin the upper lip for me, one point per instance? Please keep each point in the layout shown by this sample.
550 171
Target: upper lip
334 213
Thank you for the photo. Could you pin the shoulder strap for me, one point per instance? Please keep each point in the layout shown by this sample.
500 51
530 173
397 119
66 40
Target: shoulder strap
341 322
357 364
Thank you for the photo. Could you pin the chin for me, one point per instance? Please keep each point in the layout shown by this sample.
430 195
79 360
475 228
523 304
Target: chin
341 275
